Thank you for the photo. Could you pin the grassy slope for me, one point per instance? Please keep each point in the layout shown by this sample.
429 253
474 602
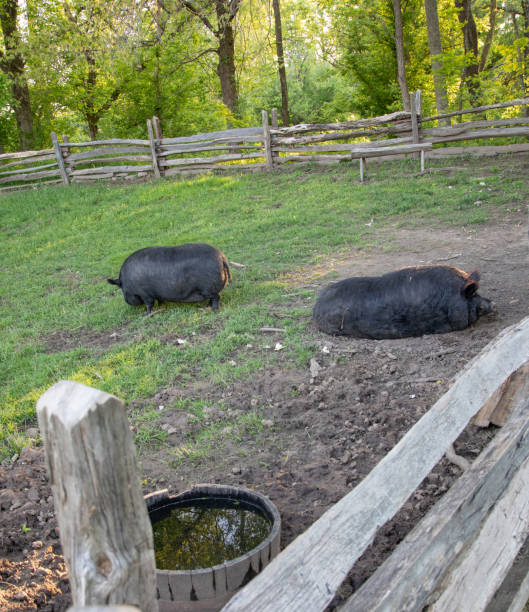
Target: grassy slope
59 245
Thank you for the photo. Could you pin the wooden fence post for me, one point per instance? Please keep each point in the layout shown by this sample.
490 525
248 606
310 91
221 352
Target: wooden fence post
105 530
157 127
267 142
414 122
275 123
155 166
60 159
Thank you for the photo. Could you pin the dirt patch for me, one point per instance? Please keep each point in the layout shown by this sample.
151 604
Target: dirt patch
314 435
64 340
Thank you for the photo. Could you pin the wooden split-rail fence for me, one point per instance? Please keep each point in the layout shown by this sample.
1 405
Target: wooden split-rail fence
256 148
461 556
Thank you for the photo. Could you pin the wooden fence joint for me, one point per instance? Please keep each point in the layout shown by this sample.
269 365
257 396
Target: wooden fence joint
60 159
267 141
152 143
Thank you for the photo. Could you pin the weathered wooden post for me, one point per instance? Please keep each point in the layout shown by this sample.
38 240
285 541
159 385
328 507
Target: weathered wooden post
152 143
414 122
60 159
267 142
275 123
157 127
103 522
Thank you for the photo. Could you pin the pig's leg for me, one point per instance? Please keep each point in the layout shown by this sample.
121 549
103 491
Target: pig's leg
214 301
149 302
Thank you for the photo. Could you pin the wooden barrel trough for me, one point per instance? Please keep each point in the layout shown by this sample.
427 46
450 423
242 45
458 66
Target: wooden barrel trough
208 589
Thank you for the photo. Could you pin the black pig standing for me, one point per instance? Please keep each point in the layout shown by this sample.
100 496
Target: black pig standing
408 302
186 273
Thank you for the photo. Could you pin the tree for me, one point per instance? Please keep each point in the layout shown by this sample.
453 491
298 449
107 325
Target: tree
470 42
13 65
399 50
223 32
281 62
436 50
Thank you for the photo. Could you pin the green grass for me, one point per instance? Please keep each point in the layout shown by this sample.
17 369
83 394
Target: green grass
60 244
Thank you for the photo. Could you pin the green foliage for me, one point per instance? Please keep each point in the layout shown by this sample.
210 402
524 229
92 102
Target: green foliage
103 68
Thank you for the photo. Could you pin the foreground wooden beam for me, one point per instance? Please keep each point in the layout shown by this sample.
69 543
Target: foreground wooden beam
458 555
105 530
308 572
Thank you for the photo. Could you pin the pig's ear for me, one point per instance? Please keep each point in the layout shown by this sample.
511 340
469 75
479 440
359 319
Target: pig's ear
471 285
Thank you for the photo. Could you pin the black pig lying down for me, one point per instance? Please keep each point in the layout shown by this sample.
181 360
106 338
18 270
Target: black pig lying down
407 302
187 273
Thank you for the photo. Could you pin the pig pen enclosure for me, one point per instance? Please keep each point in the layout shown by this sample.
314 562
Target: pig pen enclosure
320 430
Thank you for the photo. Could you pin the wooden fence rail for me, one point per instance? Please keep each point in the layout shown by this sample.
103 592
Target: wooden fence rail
456 558
247 149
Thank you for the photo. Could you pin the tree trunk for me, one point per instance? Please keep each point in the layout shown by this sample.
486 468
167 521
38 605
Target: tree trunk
490 35
470 41
281 63
521 62
436 49
226 52
91 114
401 64
12 64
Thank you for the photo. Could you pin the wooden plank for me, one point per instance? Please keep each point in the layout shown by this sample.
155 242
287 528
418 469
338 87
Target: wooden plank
103 609
110 141
155 166
344 125
28 186
275 123
30 160
475 134
106 534
267 142
308 572
216 168
60 159
189 161
116 158
462 127
356 147
157 127
406 580
414 122
513 594
479 109
27 170
24 154
311 158
418 104
497 409
193 148
252 133
328 136
32 176
472 581
93 177
107 151
105 169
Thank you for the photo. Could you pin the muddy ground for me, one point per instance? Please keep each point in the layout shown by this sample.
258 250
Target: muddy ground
319 435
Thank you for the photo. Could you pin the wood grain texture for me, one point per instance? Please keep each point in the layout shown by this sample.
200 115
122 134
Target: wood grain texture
415 570
60 159
303 128
308 572
105 530
479 109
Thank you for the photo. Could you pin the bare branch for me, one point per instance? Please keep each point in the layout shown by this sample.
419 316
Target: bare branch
193 9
